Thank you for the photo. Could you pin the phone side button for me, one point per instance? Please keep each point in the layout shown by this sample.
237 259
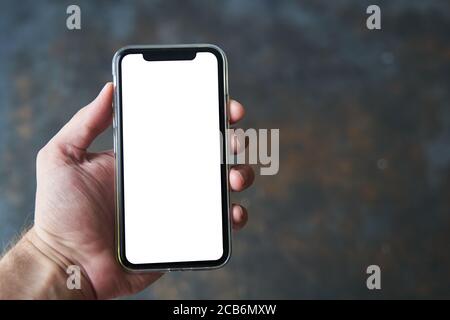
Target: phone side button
114 141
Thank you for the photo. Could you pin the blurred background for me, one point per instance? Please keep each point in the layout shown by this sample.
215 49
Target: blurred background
364 119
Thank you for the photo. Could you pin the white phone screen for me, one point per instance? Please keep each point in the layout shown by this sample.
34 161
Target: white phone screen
171 159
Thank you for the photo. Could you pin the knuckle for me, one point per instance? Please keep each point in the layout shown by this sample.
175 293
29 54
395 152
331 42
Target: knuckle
45 153
41 154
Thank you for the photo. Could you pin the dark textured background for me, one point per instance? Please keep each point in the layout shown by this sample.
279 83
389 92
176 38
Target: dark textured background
364 121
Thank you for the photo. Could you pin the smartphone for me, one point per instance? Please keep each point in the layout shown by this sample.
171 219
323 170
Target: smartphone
170 121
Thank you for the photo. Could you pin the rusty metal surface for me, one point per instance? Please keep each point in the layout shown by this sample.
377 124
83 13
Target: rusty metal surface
364 120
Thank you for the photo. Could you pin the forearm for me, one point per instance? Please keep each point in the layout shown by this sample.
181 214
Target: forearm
33 270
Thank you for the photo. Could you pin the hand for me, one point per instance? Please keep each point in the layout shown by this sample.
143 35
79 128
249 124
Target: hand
74 218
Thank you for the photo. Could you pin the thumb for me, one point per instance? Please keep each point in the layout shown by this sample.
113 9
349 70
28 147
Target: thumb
87 123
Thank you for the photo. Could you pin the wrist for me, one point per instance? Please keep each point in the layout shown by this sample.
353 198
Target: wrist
34 270
60 268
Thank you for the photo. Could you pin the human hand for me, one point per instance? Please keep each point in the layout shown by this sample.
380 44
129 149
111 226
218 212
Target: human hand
74 217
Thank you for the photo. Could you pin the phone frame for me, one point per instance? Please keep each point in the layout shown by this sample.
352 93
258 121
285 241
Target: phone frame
160 50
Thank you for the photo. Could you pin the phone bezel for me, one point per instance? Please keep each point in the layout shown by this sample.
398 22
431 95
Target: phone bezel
118 151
